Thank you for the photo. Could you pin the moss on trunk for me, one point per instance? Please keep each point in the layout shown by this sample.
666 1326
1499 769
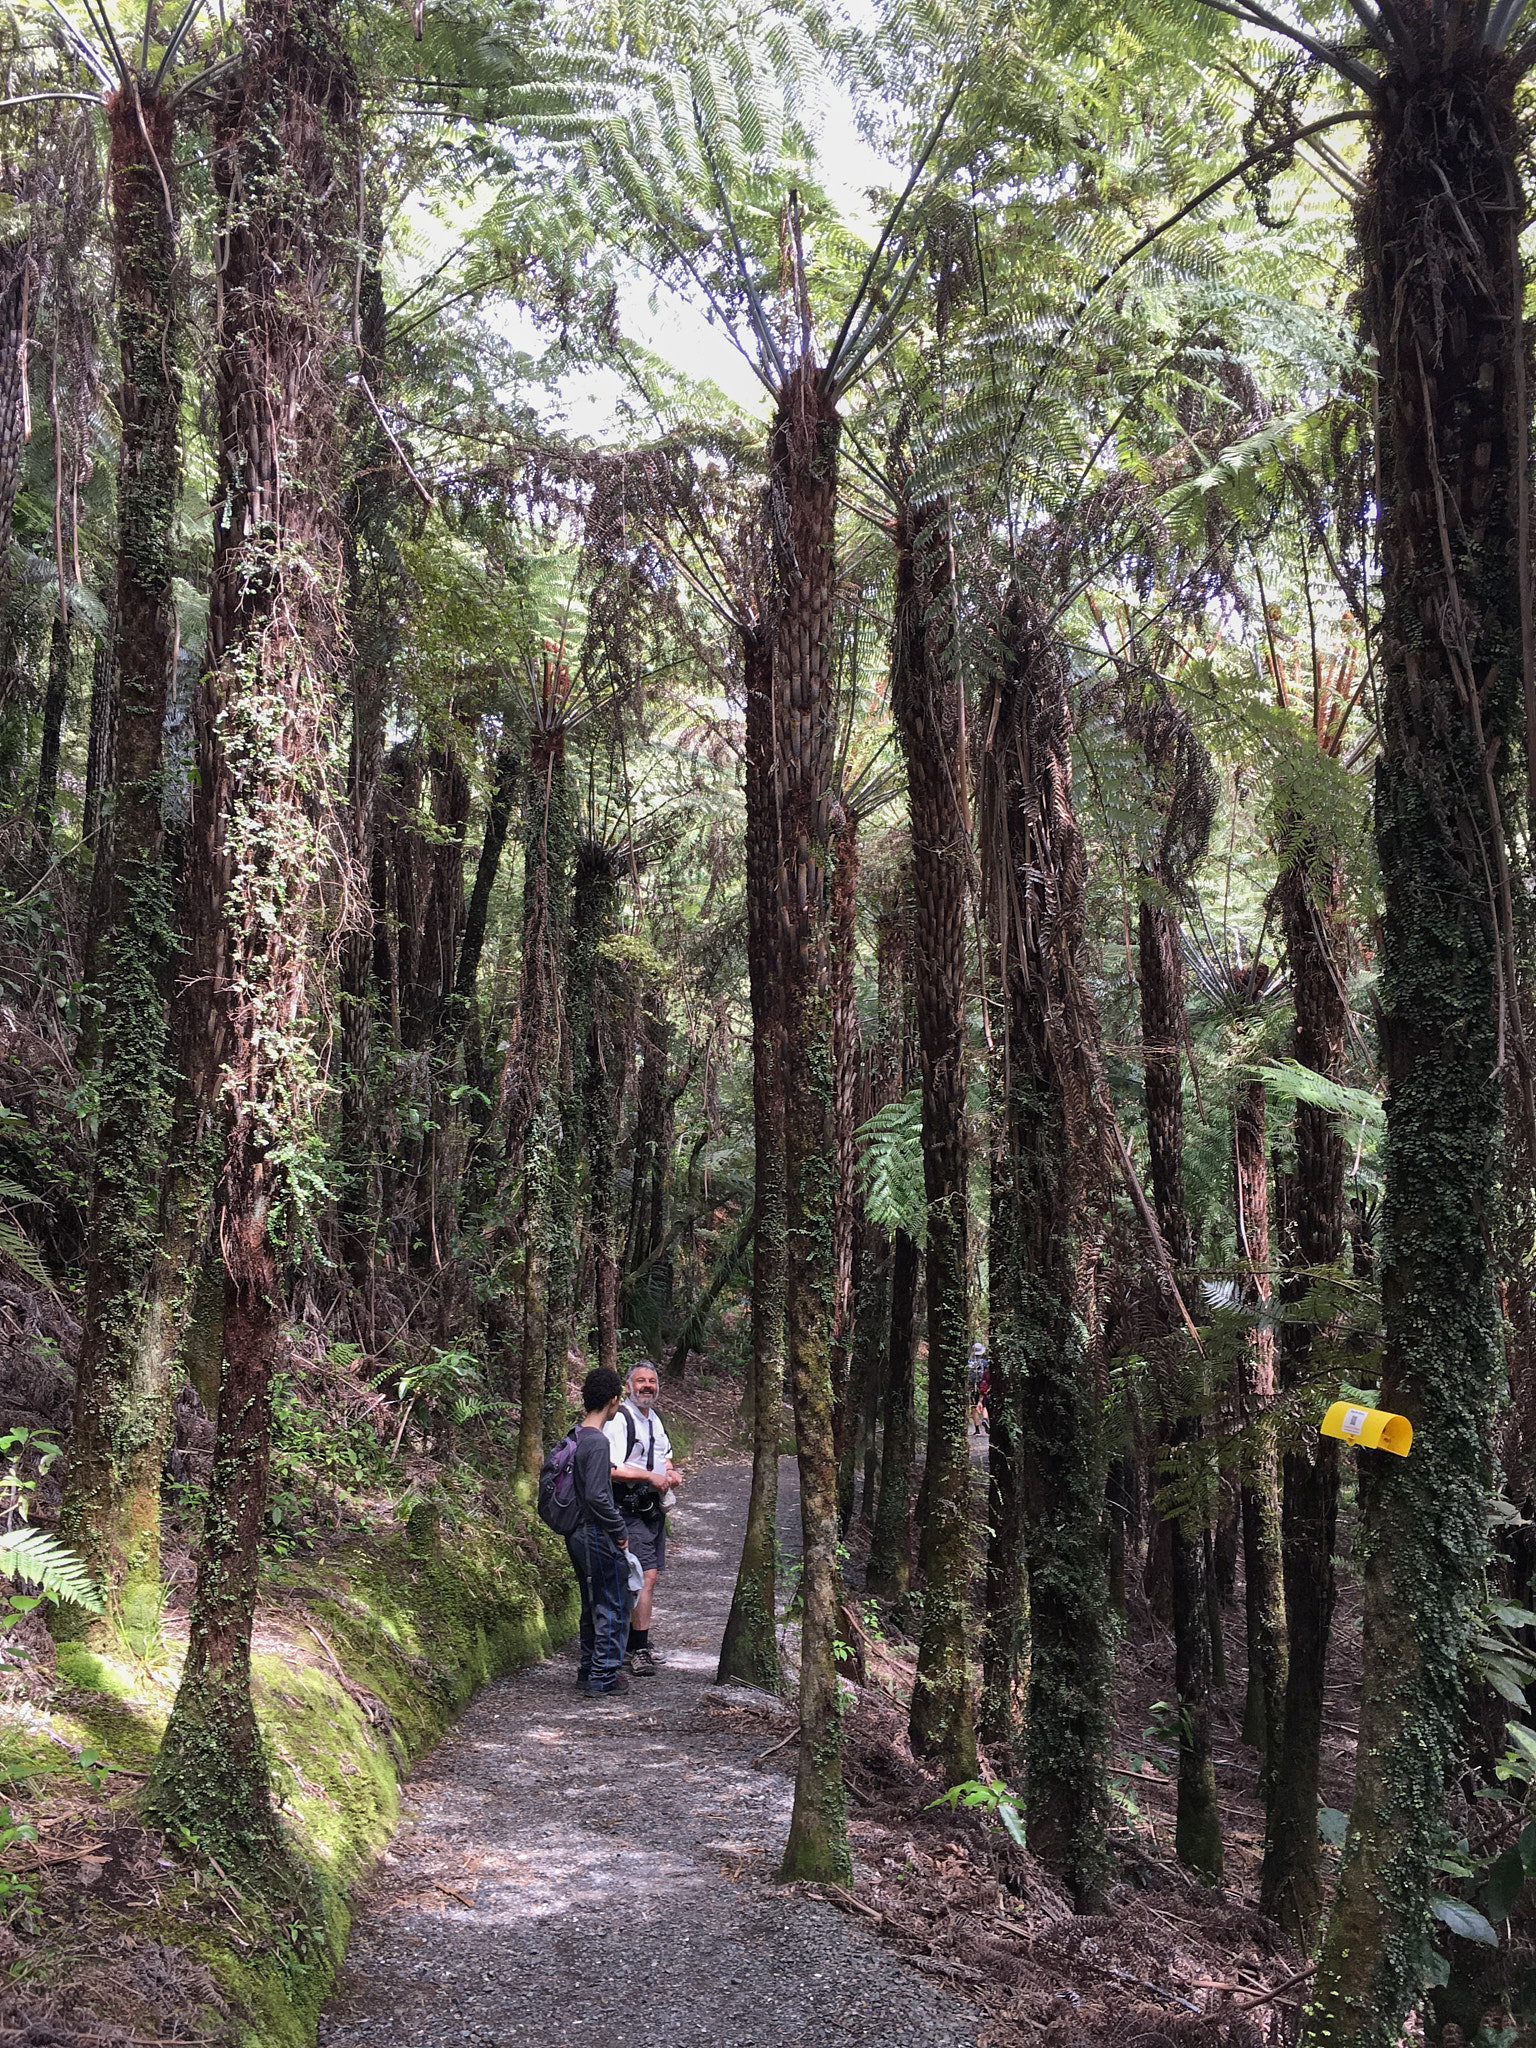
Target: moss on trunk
803 458
1038 876
283 133
927 698
1442 292
111 1509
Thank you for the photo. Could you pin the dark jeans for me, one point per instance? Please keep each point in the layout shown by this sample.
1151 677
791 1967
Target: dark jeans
603 1576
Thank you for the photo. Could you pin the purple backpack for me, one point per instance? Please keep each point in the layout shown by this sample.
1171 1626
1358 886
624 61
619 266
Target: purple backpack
557 1488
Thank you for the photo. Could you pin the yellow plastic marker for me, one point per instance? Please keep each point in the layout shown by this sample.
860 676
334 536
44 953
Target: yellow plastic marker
1369 1429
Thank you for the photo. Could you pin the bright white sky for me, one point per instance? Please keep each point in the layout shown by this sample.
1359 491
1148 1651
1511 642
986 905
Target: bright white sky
586 401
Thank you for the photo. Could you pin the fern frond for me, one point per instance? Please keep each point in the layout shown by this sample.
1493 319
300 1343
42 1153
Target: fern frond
38 1559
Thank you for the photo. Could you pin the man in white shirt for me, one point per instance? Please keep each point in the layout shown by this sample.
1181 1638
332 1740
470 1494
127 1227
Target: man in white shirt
643 1475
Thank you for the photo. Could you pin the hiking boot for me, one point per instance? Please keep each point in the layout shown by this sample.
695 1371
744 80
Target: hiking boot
642 1664
606 1692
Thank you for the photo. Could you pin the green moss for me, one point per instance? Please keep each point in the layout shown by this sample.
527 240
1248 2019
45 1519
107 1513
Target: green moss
82 1667
417 1635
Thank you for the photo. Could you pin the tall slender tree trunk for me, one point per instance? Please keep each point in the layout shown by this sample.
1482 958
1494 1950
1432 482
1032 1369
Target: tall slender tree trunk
803 486
889 1574
1259 1480
498 817
749 1651
1037 874
18 283
847 1209
1443 291
881 1079
549 843
374 576
285 137
1310 896
927 698
55 704
594 912
1001 1715
111 1508
604 1053
1197 1828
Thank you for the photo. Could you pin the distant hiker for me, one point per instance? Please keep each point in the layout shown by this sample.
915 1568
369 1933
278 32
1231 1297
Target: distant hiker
980 1377
599 1542
643 1479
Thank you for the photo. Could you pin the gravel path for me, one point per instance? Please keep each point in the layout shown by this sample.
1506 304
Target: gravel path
574 1873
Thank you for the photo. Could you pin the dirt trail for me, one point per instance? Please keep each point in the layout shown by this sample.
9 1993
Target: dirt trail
573 1873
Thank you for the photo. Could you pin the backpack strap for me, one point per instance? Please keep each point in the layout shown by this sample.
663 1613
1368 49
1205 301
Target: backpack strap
631 1434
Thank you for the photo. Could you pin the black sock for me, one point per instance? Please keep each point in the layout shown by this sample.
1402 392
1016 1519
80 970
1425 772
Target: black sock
639 1638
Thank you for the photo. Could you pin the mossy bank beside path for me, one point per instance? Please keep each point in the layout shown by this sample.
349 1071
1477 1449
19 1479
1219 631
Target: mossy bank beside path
573 1873
362 1658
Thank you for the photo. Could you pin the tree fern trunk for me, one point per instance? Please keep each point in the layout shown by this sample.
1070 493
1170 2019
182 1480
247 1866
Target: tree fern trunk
845 1080
373 609
547 853
594 912
749 1650
1038 879
1197 1827
1311 914
1259 1479
1443 297
111 1510
926 696
284 137
803 466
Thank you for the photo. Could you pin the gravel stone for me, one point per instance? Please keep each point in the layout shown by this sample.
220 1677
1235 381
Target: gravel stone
579 1873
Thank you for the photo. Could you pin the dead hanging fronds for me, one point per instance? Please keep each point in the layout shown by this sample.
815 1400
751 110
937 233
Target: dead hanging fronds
1035 871
1183 783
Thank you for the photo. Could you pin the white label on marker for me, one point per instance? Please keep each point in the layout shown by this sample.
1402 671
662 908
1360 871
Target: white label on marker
1354 1421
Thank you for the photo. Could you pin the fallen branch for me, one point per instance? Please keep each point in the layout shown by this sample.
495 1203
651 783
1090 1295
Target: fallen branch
792 1736
940 1968
839 1895
1279 1991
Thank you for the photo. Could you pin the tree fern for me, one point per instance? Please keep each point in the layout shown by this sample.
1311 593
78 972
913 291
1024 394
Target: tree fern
37 1559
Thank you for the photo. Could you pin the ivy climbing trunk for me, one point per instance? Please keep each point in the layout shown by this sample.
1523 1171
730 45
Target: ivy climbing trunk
927 697
111 1507
284 154
1037 874
1442 293
1310 892
1259 1473
749 1650
803 494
